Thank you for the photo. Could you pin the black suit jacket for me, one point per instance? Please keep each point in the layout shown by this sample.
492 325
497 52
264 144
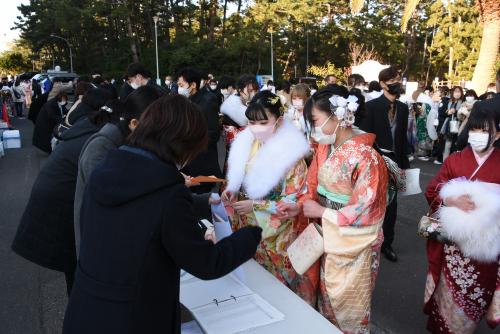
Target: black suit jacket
207 163
376 121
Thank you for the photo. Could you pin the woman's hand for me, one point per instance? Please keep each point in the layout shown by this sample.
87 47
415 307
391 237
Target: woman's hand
451 111
243 207
287 210
312 209
228 197
464 202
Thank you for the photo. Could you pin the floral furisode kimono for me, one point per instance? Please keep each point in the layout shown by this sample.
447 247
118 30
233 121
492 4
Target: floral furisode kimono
461 290
351 182
269 173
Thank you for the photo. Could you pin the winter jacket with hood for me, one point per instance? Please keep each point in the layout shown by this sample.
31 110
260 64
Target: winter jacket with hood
138 231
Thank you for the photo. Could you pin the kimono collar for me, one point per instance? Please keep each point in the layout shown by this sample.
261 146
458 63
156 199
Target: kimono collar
272 162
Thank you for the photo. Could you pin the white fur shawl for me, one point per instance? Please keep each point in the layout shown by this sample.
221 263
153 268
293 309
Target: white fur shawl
273 161
477 233
234 109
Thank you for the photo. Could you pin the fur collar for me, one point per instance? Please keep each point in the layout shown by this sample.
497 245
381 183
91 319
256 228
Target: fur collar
234 109
477 233
273 161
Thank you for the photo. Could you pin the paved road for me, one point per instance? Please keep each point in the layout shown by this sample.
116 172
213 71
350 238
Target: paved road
32 299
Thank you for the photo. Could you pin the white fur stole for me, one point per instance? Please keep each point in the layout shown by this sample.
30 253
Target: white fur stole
273 161
477 232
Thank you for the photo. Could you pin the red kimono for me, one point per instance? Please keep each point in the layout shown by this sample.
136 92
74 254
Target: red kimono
460 291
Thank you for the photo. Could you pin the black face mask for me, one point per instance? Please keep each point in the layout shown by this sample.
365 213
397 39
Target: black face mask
395 89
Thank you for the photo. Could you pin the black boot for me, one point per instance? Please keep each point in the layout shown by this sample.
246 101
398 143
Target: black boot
389 253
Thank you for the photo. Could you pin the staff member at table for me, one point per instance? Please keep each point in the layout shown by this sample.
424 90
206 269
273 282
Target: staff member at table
139 230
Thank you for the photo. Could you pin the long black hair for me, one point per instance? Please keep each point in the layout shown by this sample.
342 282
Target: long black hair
480 119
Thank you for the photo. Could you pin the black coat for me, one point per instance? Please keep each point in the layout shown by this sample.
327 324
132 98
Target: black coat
45 234
36 106
50 115
207 163
376 121
138 231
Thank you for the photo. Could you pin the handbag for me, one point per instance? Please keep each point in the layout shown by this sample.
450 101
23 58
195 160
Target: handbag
307 248
430 227
454 125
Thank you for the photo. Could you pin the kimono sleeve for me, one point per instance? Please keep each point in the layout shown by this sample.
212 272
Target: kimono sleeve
367 203
294 186
182 239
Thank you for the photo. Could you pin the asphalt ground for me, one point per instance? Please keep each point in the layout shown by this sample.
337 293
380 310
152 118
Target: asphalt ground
32 298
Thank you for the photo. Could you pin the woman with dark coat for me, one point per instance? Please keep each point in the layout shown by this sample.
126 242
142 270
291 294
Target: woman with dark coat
51 114
111 136
36 106
45 234
138 229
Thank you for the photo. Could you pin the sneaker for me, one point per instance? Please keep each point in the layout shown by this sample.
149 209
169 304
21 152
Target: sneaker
437 162
424 158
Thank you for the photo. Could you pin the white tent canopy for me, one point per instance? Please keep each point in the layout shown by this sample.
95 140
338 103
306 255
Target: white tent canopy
369 69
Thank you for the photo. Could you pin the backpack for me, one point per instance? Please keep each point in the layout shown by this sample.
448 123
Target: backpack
16 93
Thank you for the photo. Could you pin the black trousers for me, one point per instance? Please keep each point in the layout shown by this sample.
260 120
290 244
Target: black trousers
391 213
70 279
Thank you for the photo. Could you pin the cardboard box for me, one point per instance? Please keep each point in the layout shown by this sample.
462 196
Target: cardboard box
11 139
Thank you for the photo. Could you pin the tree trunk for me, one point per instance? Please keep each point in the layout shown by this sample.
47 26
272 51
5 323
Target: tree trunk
202 18
260 43
213 16
133 44
224 23
490 14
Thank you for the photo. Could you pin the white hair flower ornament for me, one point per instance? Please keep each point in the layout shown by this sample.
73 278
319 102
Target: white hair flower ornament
344 109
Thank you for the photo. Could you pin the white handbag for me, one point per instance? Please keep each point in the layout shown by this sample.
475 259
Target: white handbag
454 125
306 249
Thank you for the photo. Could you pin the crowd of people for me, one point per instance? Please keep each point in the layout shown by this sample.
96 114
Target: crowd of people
115 207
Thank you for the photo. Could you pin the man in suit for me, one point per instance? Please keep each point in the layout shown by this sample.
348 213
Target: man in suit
207 163
170 85
387 118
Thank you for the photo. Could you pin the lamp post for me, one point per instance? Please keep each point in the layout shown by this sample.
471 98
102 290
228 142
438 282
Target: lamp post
272 55
155 19
70 51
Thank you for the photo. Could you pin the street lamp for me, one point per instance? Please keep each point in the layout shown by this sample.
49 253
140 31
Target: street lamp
70 51
155 19
272 55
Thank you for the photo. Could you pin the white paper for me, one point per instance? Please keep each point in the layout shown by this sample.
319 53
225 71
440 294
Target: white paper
191 327
236 316
223 228
226 305
412 182
196 293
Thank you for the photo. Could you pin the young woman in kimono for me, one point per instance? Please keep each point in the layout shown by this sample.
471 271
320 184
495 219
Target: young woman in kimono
347 189
265 170
461 289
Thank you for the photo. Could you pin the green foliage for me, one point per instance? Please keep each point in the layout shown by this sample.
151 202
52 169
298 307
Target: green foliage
107 35
465 39
328 68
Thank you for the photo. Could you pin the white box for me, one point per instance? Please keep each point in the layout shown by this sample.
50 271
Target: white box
11 139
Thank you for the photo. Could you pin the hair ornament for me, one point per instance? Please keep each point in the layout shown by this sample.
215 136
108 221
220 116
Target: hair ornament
344 109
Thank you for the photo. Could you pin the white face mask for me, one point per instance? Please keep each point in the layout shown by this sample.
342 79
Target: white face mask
478 140
213 87
62 103
322 138
469 99
168 82
134 85
298 103
183 91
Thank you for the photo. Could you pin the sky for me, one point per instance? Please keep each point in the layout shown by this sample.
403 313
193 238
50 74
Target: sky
8 16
